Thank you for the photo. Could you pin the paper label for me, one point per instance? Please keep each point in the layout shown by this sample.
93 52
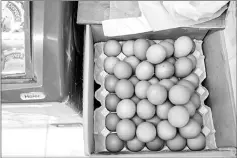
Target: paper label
32 96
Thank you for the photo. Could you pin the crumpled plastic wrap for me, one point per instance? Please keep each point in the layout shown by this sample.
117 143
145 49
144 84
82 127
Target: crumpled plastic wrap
13 38
193 10
100 131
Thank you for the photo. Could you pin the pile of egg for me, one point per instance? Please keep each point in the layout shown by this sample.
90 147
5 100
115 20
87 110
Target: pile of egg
152 96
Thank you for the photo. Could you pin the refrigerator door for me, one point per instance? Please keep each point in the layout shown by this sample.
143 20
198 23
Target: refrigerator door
15 58
48 71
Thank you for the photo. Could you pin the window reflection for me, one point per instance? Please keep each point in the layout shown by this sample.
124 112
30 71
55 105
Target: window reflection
13 38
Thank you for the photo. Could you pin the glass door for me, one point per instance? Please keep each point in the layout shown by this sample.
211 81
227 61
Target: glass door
16 55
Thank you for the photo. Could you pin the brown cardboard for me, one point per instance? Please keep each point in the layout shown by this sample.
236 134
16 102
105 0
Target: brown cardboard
197 33
221 98
94 12
223 112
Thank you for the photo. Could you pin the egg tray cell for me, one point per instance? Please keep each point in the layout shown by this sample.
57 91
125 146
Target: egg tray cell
100 131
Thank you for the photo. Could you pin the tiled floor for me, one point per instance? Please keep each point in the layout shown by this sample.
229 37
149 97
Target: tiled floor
26 131
43 142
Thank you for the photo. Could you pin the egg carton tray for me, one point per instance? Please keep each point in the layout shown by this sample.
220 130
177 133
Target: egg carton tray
100 131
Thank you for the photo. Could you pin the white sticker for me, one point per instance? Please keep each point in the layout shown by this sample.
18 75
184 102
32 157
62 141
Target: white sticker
32 96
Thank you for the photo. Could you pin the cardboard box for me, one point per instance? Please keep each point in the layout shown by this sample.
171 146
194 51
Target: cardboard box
221 98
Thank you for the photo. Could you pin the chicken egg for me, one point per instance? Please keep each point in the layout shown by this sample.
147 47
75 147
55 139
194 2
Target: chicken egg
190 130
122 70
168 47
151 42
111 102
156 54
165 130
156 145
137 120
167 83
124 89
198 118
110 83
154 120
111 121
113 143
109 64
179 94
140 47
135 99
145 110
198 143
194 47
135 145
174 79
170 40
187 84
112 48
163 109
191 108
195 99
178 143
183 46
164 70
193 59
141 89
194 79
134 80
171 60
144 70
154 80
146 132
127 48
156 94
183 67
133 61
178 116
126 108
126 129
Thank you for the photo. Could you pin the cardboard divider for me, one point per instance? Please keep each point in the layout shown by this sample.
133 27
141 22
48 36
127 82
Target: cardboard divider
100 131
222 115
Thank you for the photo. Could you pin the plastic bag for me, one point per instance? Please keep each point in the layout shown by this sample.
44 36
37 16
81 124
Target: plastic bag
194 10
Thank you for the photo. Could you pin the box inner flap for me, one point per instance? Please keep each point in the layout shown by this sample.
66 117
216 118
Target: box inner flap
195 33
221 97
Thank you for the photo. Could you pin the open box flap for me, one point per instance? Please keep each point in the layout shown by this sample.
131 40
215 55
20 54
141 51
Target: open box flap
221 96
88 92
197 33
